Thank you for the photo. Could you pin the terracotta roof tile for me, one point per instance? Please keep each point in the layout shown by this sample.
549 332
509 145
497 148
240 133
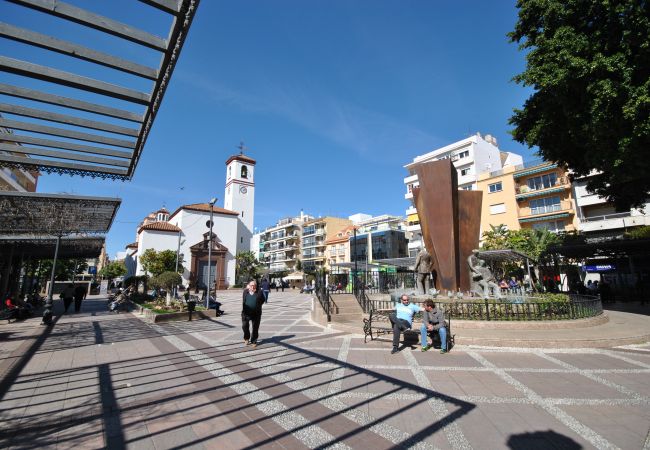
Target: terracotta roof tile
160 226
204 207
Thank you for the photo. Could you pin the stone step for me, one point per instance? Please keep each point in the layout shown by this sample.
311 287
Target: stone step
347 317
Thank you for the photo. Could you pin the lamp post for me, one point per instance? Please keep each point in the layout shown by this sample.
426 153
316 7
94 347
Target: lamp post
211 223
178 252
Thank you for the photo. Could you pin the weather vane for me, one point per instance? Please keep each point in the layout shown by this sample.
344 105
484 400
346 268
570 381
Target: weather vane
242 147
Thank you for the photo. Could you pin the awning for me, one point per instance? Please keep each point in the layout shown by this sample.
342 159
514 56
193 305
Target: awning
44 247
542 218
57 118
534 170
408 262
295 276
40 215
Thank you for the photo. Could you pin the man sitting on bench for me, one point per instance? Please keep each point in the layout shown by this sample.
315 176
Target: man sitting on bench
433 319
402 319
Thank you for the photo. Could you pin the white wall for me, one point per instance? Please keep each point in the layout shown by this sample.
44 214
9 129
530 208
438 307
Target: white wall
193 224
157 240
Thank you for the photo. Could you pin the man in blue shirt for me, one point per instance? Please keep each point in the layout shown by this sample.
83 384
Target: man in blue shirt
402 319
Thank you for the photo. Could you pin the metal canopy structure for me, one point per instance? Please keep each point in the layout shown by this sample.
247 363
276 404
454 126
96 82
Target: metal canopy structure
44 248
99 125
27 214
407 262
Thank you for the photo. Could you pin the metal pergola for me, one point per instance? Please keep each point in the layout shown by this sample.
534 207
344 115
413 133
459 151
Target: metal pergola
56 118
31 224
38 215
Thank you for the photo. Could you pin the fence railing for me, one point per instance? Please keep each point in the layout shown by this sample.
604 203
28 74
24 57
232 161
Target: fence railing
515 308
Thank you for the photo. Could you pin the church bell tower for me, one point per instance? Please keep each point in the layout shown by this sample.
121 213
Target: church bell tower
239 195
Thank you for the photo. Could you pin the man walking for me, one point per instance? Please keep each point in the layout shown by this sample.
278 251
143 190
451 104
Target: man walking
251 312
266 287
402 319
67 295
79 295
433 320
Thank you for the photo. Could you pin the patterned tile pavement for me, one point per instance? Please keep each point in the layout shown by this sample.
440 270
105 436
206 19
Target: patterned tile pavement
98 380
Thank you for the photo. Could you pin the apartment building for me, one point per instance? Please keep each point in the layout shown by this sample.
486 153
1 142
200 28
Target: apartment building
471 157
534 195
380 237
337 248
598 218
315 233
15 179
280 244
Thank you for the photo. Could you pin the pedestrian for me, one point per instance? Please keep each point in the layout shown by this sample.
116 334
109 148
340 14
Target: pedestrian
402 319
433 320
265 289
79 295
252 301
275 283
67 295
282 284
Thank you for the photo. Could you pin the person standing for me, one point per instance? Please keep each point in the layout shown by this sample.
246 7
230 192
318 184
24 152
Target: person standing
252 302
265 289
67 295
79 295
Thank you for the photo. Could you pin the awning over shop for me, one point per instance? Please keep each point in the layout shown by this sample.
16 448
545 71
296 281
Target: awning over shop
55 118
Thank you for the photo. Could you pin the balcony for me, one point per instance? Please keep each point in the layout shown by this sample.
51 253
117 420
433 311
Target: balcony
612 222
548 212
533 167
524 191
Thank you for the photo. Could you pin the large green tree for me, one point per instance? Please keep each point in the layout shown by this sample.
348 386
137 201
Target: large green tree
588 63
113 269
247 266
156 263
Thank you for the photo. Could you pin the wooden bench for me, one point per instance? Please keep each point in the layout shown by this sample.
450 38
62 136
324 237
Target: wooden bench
378 323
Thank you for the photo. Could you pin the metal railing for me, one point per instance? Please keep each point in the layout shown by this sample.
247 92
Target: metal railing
516 309
607 217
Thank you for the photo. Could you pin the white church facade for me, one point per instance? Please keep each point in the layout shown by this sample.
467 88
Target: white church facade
188 229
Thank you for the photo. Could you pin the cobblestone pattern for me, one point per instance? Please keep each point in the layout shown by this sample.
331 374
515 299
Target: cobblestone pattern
98 380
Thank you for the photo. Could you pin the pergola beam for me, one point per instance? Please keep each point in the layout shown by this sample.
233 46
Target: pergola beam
169 6
76 51
67 102
69 79
63 145
95 21
42 164
61 132
22 150
66 119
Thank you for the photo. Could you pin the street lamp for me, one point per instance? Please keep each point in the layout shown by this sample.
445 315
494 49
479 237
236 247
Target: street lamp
211 223
178 252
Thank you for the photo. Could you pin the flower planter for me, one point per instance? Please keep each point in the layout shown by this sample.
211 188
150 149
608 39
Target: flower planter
154 317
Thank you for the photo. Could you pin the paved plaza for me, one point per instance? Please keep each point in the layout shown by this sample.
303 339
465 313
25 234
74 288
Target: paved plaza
101 380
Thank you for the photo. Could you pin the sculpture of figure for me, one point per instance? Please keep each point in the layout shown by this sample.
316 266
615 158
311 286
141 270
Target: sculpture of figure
482 278
423 267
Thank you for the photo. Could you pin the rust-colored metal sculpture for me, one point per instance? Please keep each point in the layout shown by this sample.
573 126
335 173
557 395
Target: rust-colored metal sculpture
450 222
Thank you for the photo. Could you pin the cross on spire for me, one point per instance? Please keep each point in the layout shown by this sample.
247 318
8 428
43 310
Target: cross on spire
242 147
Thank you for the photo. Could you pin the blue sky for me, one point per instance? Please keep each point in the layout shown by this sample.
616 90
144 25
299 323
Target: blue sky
332 98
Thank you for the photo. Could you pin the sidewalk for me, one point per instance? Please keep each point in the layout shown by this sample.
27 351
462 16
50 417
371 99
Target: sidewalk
99 380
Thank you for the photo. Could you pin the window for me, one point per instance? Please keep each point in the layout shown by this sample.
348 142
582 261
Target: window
495 187
499 208
545 205
464 154
542 182
467 188
464 171
244 172
552 225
